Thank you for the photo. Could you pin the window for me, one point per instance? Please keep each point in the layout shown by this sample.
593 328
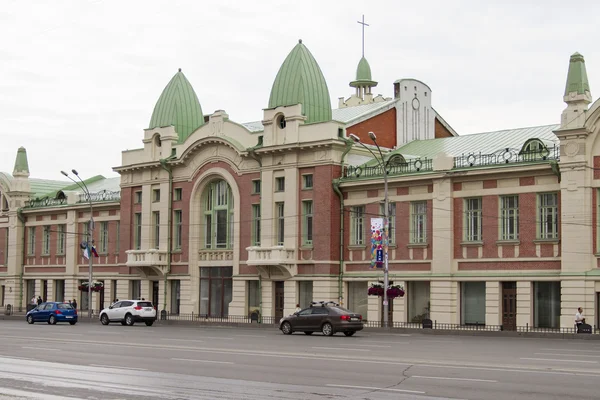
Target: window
218 216
472 303
138 197
31 241
307 181
509 217
253 296
137 231
546 303
256 187
357 298
418 300
280 184
156 233
156 195
418 222
215 291
175 296
59 290
305 293
177 194
103 237
46 241
534 150
357 227
548 216
6 246
280 220
472 229
255 224
178 221
60 240
135 289
392 220
307 222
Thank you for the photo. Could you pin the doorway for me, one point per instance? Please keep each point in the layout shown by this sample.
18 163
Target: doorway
101 293
279 298
45 290
509 306
155 294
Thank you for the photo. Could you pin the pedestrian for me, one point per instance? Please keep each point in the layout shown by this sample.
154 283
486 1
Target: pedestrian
33 301
39 300
74 304
579 319
298 309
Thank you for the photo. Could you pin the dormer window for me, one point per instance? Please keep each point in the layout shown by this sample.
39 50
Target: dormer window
534 150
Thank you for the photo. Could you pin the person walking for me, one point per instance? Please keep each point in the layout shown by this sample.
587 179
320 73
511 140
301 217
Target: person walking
39 300
579 319
74 304
298 309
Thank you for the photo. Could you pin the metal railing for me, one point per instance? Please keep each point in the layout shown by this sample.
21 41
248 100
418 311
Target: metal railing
506 156
408 167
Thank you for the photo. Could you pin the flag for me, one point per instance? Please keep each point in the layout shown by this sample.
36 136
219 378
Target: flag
376 242
86 253
94 251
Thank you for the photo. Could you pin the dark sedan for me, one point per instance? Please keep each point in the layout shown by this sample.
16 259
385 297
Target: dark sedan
326 317
52 312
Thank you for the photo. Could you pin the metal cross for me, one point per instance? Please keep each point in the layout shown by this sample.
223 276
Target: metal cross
363 33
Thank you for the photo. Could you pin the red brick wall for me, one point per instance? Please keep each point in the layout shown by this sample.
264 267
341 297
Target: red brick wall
509 265
594 219
596 167
440 130
527 224
458 226
247 199
490 226
3 247
383 125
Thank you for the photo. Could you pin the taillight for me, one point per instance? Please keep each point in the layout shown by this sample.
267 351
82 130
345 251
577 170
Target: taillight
58 312
345 317
137 308
75 312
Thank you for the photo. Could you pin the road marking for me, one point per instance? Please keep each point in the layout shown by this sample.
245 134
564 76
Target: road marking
70 334
17 358
585 351
566 355
251 336
556 359
453 379
340 348
40 348
117 367
202 361
370 345
184 340
375 388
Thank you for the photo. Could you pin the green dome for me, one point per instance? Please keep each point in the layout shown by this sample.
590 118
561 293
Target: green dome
300 81
363 71
178 105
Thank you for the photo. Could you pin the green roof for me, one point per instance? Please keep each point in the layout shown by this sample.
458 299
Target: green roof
577 80
178 105
21 164
300 81
363 74
44 187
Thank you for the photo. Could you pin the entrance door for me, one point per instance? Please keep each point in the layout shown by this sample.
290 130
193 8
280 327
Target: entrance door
155 294
101 293
45 290
279 297
509 306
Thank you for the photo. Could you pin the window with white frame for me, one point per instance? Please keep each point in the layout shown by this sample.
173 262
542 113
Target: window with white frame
137 231
46 241
307 222
472 228
280 221
418 222
548 216
31 241
307 181
509 217
391 219
280 184
218 216
255 224
61 239
156 233
357 227
103 245
178 220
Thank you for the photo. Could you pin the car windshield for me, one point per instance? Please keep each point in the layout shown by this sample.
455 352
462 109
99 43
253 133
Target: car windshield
144 304
65 307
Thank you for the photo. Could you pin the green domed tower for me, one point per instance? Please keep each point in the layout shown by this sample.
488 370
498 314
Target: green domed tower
363 82
178 105
300 81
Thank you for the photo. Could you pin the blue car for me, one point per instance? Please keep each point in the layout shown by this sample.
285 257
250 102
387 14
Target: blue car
52 312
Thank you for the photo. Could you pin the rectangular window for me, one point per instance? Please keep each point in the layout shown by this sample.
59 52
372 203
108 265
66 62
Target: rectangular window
138 197
418 293
256 186
156 222
307 222
357 227
135 289
392 220
59 290
103 248
280 228
305 293
255 224
178 221
46 241
253 296
509 217
280 184
546 303
472 228
175 296
6 246
137 231
548 216
215 291
177 194
31 241
472 303
418 222
357 298
307 181
61 239
155 195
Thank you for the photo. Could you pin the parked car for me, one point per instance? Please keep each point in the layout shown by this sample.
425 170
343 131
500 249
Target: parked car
325 317
128 312
52 312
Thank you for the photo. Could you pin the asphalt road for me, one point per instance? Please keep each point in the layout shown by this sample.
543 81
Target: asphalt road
90 361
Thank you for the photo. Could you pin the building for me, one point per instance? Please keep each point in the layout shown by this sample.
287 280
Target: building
219 218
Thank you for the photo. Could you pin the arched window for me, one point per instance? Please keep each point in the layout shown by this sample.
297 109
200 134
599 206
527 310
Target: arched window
3 202
218 216
534 150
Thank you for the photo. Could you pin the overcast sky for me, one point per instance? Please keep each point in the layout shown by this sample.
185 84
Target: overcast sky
79 79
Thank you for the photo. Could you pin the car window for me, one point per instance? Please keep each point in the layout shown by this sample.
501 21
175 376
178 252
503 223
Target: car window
144 304
49 307
305 312
320 311
65 306
126 303
116 305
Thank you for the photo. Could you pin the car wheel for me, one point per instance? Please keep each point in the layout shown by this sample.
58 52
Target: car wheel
30 319
72 322
104 319
308 333
149 323
327 329
349 333
52 320
129 320
286 328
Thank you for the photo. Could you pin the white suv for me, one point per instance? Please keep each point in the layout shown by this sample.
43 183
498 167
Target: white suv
128 312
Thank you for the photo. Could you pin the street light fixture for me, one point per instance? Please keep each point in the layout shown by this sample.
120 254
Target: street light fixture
90 235
386 221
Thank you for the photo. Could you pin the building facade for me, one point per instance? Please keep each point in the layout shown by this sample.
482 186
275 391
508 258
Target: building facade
219 218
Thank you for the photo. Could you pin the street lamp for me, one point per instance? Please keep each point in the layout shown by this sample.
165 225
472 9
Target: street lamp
90 234
386 221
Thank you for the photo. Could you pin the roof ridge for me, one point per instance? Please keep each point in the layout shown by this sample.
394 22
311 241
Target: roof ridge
504 130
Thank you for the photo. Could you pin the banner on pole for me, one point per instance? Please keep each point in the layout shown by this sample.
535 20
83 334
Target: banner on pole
376 242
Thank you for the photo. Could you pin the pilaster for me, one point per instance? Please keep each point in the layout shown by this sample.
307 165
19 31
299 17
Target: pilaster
50 291
189 296
493 304
267 298
239 299
123 289
572 296
399 313
443 216
146 288
374 308
443 297
525 303
290 289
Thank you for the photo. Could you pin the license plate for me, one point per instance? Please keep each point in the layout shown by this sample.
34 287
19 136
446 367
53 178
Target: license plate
69 317
354 319
148 309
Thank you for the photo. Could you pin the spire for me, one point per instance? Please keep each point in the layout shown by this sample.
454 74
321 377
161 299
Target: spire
21 164
577 80
577 94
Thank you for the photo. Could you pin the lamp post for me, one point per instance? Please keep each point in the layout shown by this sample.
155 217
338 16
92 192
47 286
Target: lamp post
90 234
386 222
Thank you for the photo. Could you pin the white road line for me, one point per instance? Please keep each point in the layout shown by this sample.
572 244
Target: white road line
117 367
39 348
70 334
453 379
202 361
370 345
559 360
183 340
17 358
585 351
259 336
340 348
566 355
375 388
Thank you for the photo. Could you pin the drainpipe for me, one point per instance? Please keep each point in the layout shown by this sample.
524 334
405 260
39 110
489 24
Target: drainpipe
22 219
259 299
163 164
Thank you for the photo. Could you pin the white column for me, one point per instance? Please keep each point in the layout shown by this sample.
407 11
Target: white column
444 300
290 289
50 291
268 293
573 294
399 314
493 303
524 303
442 247
238 305
374 308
